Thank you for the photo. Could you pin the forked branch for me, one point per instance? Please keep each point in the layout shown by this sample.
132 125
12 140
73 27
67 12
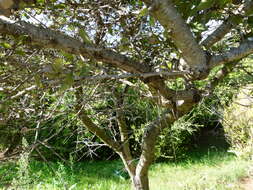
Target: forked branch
226 26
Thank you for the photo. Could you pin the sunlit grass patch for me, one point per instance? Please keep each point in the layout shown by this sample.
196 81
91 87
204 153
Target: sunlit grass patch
215 170
218 171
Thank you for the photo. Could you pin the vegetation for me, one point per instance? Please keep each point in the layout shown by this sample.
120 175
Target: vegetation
201 170
237 123
79 75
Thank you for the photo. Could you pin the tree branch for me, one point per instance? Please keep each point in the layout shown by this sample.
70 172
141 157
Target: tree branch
164 74
234 54
218 34
124 131
47 38
91 126
20 93
220 75
226 26
165 12
149 139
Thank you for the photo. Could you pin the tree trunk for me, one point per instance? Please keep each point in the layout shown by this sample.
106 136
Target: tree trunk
138 175
140 182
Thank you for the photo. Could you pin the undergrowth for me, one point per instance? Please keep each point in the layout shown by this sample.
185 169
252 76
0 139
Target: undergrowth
209 170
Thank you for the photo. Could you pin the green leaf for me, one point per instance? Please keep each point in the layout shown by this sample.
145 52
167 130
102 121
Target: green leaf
60 6
143 12
250 21
20 52
236 19
58 65
69 79
223 3
38 81
83 69
205 4
85 37
68 56
152 21
41 1
67 82
6 45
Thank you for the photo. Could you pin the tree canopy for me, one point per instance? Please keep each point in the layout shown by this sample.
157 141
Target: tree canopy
167 53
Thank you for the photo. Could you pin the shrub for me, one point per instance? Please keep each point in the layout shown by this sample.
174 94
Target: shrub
175 141
238 123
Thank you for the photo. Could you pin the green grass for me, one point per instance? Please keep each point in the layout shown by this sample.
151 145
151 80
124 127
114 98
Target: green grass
214 170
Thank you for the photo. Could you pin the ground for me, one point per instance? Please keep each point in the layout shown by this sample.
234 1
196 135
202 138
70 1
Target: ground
247 183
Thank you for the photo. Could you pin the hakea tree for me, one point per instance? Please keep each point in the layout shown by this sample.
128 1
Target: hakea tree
157 41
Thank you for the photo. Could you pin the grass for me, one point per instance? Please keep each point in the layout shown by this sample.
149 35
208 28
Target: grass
212 170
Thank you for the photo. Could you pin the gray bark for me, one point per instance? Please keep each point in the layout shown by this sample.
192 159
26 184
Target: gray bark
165 12
141 182
148 149
46 38
234 54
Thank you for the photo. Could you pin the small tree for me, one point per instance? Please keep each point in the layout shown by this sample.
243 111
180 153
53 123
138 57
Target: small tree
168 45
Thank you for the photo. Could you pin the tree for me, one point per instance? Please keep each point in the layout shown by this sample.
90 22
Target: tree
160 42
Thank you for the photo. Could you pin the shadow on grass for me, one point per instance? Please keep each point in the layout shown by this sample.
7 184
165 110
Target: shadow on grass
89 173
209 144
98 175
58 174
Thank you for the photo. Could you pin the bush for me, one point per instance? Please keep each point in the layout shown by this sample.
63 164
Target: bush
175 140
238 123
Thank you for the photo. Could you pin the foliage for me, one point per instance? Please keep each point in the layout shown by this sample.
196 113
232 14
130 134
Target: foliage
176 140
210 110
237 123
22 178
124 69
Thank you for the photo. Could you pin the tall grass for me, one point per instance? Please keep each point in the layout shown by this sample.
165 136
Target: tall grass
212 170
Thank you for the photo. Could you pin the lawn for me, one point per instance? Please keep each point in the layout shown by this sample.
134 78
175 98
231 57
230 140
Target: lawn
211 170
